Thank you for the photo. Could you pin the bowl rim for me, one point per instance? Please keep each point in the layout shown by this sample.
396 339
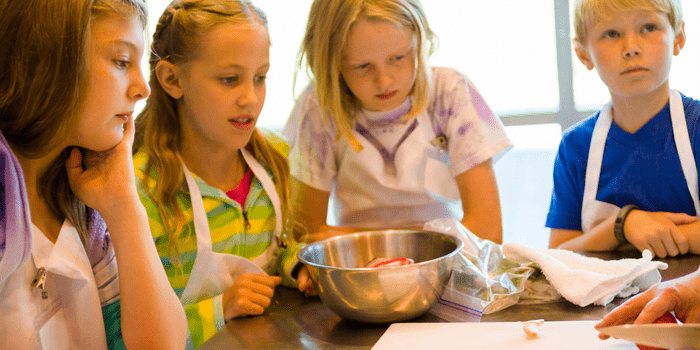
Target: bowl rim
456 239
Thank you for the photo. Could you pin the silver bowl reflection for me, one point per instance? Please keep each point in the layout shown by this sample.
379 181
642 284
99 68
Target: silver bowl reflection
384 294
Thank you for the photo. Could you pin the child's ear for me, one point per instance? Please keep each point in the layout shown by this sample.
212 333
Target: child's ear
679 41
582 54
169 78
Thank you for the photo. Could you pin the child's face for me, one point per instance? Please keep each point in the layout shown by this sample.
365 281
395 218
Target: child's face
632 51
379 65
223 87
115 81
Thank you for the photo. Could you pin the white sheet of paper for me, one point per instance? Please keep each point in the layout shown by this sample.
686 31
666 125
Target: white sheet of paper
570 335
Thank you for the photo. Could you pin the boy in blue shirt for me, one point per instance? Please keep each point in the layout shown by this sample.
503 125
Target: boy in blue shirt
628 173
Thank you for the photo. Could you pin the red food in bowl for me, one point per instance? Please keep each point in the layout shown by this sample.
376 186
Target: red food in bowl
384 262
666 318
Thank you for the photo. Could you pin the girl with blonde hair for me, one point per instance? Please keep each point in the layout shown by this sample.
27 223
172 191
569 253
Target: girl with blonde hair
397 142
215 187
70 81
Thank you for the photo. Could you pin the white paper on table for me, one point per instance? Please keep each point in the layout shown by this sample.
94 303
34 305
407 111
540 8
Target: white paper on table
570 335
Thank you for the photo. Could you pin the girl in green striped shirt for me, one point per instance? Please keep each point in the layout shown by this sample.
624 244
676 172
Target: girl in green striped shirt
214 186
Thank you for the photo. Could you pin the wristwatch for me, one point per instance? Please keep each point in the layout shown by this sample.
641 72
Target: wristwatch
620 222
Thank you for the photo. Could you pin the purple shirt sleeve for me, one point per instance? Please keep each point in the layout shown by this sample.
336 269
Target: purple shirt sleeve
15 229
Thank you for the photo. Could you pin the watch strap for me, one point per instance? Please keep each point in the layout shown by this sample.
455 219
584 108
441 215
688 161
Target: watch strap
618 226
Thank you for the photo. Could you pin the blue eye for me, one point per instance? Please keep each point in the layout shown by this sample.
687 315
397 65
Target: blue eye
650 27
611 34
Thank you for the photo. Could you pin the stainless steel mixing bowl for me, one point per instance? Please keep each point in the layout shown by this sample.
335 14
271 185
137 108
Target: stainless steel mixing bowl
384 294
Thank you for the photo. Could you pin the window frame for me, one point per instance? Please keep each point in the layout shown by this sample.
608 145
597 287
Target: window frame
567 115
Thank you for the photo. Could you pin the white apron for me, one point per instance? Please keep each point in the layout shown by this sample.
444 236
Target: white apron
375 188
593 212
71 316
214 273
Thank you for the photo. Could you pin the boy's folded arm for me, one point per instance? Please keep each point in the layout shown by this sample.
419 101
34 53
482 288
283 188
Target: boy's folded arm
692 233
560 238
599 238
658 232
662 233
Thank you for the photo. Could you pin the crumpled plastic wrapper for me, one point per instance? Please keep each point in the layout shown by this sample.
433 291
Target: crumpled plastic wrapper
483 272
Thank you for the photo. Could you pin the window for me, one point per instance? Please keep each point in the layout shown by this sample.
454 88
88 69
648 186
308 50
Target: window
506 47
518 53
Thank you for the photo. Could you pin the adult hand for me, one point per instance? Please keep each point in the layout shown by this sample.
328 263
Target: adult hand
658 232
304 282
249 295
681 295
107 181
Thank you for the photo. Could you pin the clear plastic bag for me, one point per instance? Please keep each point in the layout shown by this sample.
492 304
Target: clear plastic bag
483 279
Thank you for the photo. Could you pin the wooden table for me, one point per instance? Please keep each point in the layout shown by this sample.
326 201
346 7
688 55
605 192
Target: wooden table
295 322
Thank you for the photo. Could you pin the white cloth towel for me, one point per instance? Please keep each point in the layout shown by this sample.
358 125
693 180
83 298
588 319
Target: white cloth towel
584 280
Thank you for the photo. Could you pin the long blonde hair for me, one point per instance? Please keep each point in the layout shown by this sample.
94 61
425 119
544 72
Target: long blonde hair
590 11
325 42
42 80
176 40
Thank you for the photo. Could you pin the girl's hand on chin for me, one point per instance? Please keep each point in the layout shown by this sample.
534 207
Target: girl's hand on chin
106 181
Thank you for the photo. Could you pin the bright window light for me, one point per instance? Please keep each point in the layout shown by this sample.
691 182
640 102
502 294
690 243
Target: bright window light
506 47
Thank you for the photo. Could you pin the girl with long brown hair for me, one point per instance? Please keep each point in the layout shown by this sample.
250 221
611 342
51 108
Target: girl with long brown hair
70 79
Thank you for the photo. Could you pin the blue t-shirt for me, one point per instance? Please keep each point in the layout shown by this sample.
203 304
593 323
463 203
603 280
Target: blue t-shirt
641 168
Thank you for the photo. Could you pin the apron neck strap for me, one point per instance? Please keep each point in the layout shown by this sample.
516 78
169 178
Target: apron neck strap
680 135
202 227
595 153
269 188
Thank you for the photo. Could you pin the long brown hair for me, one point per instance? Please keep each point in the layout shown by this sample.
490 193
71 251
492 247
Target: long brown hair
176 40
44 69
